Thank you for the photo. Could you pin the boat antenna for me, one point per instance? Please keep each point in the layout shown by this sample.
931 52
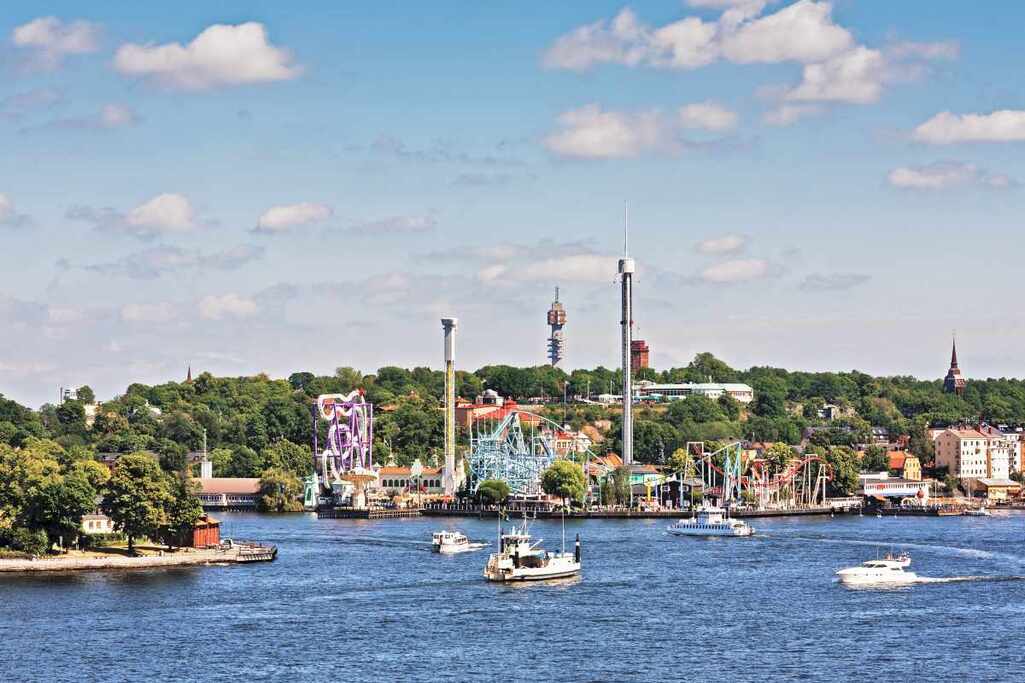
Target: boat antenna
564 530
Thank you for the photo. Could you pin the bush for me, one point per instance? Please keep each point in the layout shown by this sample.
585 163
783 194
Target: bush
33 542
91 541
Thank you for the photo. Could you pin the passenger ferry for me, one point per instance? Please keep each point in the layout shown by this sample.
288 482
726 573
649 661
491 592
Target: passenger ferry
710 520
520 559
452 542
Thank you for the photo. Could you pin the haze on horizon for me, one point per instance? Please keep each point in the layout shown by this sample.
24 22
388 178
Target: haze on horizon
251 187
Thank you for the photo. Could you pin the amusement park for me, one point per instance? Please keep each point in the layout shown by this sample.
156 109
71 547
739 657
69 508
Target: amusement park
505 442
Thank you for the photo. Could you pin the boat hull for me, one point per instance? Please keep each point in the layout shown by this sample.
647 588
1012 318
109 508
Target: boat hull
863 579
524 574
719 533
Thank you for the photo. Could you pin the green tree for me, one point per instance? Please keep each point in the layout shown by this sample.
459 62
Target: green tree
620 489
682 462
56 506
565 479
136 496
183 510
729 406
245 462
845 469
280 491
285 455
875 459
493 491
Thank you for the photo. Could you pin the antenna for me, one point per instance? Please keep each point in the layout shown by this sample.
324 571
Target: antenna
626 229
556 293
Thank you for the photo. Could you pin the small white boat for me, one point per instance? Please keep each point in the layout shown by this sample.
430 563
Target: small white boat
885 572
519 558
978 512
710 521
452 542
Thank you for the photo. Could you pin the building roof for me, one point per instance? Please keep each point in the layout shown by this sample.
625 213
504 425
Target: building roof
388 471
987 482
966 433
702 386
236 485
896 459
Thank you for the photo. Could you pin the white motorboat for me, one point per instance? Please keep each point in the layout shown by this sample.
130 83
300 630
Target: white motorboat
452 542
978 512
519 558
710 520
888 571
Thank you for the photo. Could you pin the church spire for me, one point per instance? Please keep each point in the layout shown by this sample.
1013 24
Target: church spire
953 352
188 376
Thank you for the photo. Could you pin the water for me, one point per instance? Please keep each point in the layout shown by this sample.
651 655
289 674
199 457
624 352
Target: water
367 600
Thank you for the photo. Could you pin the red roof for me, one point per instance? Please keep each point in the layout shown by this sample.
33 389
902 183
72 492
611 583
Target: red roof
896 459
236 485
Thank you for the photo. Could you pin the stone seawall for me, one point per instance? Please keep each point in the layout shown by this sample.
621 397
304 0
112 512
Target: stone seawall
179 559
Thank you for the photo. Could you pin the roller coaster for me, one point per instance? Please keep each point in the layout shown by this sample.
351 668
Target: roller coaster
800 482
507 452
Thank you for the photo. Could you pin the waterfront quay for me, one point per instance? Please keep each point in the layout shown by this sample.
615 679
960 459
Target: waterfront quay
625 513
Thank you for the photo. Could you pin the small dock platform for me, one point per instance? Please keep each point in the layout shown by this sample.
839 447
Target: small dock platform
367 513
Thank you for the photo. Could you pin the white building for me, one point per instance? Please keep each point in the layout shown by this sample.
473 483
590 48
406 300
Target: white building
883 486
971 454
97 523
713 390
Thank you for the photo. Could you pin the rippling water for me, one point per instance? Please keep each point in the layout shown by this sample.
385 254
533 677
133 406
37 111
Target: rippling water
367 600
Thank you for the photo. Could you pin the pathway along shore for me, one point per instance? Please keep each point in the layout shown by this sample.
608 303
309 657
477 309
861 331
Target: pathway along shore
235 555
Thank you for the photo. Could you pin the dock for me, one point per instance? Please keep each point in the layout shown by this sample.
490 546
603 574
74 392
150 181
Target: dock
367 513
472 511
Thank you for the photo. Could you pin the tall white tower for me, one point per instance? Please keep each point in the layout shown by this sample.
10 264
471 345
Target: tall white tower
448 479
626 270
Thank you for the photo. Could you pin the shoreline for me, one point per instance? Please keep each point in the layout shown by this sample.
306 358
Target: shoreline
178 559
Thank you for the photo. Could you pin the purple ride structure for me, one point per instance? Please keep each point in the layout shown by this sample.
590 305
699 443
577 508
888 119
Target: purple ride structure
344 466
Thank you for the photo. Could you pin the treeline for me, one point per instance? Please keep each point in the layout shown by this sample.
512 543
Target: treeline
45 490
252 424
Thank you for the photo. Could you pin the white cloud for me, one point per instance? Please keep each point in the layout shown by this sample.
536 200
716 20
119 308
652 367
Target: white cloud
945 175
949 49
788 114
1006 125
148 313
721 245
163 214
590 133
9 217
575 268
152 263
707 115
279 219
117 116
167 213
834 282
802 32
739 270
856 76
53 39
227 306
397 225
222 55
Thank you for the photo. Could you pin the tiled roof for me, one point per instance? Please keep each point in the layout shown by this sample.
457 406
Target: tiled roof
896 459
405 471
230 485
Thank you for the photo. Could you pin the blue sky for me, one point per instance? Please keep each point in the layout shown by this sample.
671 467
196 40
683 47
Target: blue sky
250 187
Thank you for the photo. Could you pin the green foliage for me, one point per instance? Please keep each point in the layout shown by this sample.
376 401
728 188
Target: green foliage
875 459
181 511
280 491
845 470
285 455
493 492
619 491
136 497
565 479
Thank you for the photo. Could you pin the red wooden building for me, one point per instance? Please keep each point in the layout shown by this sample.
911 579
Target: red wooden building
206 532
